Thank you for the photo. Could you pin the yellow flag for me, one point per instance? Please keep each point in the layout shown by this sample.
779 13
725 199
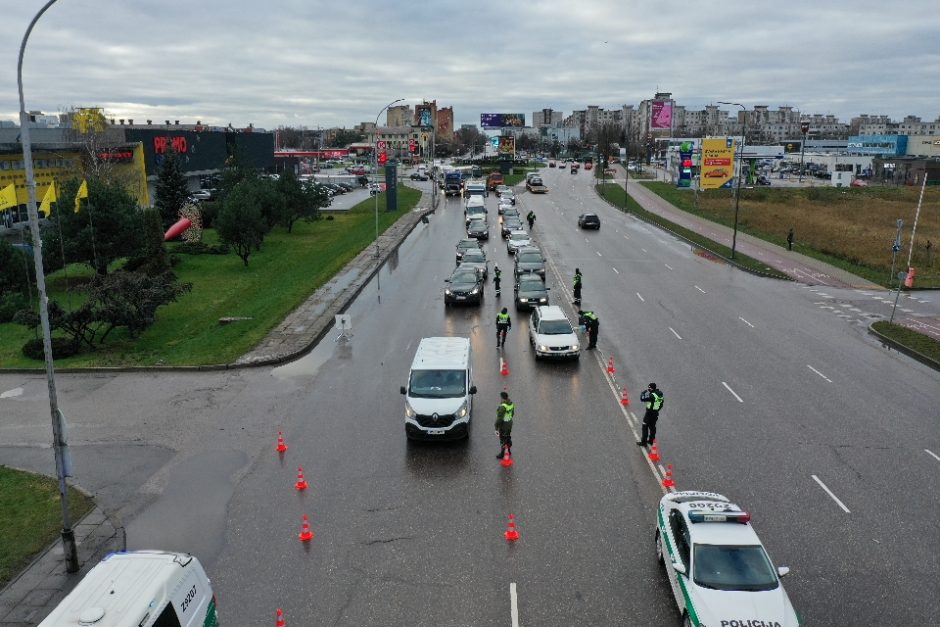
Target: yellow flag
47 200
82 193
8 197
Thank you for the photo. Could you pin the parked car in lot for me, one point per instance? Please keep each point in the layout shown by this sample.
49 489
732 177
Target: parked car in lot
516 240
529 259
530 291
589 221
466 244
477 229
551 334
475 259
465 285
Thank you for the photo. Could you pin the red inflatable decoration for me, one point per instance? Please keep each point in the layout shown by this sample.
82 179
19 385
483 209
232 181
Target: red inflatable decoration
177 229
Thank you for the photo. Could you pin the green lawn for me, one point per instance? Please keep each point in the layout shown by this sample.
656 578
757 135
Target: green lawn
923 344
287 270
614 194
31 517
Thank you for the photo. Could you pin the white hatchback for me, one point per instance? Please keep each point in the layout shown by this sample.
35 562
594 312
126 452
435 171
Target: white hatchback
517 240
717 567
551 334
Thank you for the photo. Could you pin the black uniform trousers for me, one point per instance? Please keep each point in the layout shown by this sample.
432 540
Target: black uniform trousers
649 426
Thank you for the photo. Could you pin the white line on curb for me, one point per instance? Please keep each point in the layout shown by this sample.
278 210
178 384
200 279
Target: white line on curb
728 387
819 373
829 492
513 605
745 322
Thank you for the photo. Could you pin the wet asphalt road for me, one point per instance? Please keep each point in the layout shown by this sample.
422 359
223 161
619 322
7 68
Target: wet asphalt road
413 533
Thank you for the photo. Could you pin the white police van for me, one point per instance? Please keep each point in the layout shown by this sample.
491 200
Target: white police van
439 394
717 567
140 589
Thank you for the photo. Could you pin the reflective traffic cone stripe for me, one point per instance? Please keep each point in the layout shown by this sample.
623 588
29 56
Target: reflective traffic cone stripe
624 397
506 462
301 482
511 534
610 366
281 447
504 367
668 482
654 453
280 619
305 534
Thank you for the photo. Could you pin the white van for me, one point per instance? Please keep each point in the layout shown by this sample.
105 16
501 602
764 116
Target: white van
475 208
140 589
477 188
439 394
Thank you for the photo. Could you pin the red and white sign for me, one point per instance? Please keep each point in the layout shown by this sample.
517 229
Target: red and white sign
380 145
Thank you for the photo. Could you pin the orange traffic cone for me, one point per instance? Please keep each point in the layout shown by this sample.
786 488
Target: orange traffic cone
610 366
511 534
625 397
668 482
301 482
281 447
280 619
504 367
305 534
506 462
654 453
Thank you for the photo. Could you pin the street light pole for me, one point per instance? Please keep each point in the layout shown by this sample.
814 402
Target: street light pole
804 128
375 168
737 194
62 465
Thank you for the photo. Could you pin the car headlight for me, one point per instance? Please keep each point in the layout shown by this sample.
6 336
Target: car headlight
475 290
543 348
543 300
462 411
409 412
448 292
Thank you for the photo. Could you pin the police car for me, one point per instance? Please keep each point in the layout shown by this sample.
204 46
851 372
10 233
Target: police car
717 567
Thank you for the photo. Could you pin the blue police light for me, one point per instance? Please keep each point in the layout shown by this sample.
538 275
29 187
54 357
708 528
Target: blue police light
712 516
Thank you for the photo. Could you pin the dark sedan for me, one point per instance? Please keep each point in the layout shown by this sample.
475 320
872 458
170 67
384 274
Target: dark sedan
589 221
477 229
529 260
530 291
509 225
465 285
466 244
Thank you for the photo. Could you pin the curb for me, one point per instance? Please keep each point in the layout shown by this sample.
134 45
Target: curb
904 350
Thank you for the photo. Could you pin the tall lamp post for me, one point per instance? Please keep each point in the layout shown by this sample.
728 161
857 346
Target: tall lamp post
375 168
59 445
804 128
737 193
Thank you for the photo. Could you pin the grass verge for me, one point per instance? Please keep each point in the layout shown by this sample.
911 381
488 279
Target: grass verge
910 339
285 272
614 194
31 517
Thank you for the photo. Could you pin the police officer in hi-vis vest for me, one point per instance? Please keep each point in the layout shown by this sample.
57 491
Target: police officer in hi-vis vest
653 397
504 423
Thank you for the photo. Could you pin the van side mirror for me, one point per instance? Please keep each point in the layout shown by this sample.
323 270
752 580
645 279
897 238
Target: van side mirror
473 389
403 390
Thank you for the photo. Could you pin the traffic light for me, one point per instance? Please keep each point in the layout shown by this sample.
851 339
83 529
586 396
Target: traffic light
383 158
412 145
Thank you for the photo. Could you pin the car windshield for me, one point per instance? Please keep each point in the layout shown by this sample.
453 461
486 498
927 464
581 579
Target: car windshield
732 567
474 256
465 276
531 284
471 244
437 383
530 258
518 236
555 327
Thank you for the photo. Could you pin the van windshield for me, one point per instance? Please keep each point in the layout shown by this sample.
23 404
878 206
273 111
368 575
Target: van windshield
437 383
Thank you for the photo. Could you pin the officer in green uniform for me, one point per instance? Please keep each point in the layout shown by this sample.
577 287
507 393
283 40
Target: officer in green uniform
503 324
577 286
590 320
504 415
653 398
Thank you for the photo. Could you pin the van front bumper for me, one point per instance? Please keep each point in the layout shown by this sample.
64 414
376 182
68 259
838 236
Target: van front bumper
457 431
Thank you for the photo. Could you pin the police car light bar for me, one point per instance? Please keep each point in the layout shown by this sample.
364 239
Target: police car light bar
738 517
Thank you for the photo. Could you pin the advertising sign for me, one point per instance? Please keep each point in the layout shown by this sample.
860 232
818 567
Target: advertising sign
501 120
717 163
424 117
662 114
507 145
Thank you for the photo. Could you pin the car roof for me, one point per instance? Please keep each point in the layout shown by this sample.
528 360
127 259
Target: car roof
551 312
467 240
730 532
518 232
529 249
531 277
461 269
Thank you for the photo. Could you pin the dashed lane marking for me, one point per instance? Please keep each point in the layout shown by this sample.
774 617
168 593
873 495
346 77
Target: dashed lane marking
616 270
745 322
733 393
640 297
819 373
679 337
932 454
513 605
829 492
700 289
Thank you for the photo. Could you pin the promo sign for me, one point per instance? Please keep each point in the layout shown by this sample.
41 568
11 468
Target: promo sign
501 120
507 145
717 163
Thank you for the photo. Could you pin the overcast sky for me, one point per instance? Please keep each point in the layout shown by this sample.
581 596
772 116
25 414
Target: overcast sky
335 63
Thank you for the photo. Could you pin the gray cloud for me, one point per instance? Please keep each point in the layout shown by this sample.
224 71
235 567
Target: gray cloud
336 64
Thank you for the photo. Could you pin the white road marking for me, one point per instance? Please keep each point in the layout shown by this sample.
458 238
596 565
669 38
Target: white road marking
668 266
585 239
643 249
12 393
745 322
700 289
728 387
819 373
513 605
829 492
616 270
625 236
674 333
640 297
598 253
932 454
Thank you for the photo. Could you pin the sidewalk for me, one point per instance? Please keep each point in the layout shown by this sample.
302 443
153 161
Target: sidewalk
36 591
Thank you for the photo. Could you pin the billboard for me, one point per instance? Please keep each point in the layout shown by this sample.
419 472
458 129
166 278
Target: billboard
507 145
662 114
717 163
502 120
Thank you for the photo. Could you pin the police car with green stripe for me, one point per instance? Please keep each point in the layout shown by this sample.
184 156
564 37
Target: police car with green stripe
717 567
